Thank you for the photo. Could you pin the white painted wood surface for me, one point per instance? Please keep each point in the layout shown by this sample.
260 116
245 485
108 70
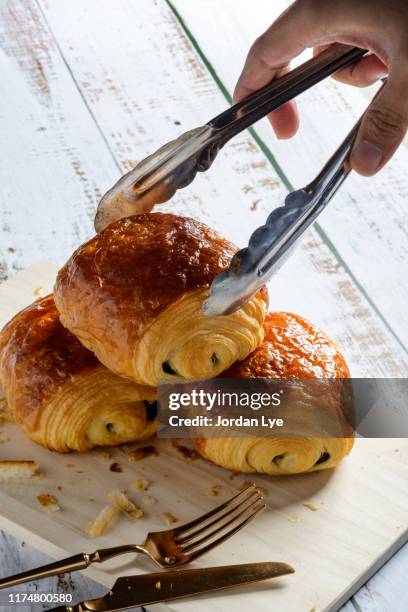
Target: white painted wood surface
360 522
89 89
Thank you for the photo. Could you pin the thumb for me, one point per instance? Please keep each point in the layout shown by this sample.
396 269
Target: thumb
383 127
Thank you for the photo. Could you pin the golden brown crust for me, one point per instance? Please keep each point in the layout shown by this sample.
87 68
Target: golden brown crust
143 279
42 355
59 393
139 266
292 348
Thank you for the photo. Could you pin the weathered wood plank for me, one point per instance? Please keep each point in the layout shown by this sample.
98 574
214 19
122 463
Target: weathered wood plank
388 588
367 221
17 556
55 161
145 84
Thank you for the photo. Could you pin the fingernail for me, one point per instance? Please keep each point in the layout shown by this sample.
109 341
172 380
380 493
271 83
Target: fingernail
367 157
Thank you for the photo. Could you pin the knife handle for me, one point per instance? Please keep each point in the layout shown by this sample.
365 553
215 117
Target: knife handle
101 604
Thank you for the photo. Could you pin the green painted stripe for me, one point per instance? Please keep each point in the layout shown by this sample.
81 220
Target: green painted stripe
285 180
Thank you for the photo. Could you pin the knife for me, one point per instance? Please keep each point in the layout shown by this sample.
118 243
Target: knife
131 591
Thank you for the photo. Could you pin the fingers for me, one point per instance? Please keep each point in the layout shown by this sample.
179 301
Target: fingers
362 73
383 128
285 121
288 36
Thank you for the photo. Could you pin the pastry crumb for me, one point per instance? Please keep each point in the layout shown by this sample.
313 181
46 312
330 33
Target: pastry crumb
140 484
141 453
122 502
148 500
102 522
38 291
244 485
188 453
262 490
115 467
293 519
105 454
14 470
214 490
169 518
48 502
233 475
310 506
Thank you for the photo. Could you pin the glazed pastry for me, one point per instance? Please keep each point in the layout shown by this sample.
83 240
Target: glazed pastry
60 394
293 348
133 296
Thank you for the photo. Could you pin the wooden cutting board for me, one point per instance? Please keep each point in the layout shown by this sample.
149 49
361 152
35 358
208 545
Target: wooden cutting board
359 516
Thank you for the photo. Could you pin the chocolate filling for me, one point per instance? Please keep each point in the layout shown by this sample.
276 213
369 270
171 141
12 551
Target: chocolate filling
323 457
167 369
151 410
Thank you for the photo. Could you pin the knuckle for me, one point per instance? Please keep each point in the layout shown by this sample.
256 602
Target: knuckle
258 51
386 122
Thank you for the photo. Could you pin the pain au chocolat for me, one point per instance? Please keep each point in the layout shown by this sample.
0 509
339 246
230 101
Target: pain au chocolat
60 394
295 349
133 295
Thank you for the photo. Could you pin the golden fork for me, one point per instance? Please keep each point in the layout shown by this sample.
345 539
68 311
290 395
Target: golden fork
169 548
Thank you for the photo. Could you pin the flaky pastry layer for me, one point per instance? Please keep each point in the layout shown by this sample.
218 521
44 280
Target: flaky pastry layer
183 343
275 456
95 409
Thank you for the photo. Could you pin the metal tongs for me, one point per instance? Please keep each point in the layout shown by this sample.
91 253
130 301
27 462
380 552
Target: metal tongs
173 166
271 244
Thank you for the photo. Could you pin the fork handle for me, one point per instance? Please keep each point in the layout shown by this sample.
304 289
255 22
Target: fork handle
74 563
70 564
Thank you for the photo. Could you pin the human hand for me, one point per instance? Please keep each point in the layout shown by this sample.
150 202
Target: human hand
380 26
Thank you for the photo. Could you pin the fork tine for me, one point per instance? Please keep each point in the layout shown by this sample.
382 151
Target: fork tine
204 517
231 532
190 545
248 502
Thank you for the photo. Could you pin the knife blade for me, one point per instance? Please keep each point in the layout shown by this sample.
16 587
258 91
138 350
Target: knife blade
156 587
